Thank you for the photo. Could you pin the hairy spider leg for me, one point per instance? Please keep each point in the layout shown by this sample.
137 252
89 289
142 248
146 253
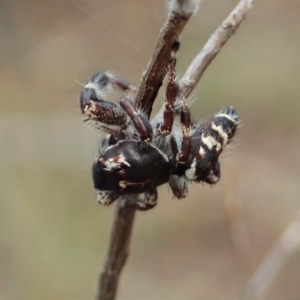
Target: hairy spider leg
139 120
100 86
185 119
104 115
123 85
171 94
178 181
142 201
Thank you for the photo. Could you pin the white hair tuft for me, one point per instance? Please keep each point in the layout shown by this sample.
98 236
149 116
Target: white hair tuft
185 7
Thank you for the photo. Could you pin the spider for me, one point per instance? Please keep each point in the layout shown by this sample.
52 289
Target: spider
138 155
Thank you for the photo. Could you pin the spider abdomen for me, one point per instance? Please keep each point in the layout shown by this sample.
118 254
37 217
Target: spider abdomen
209 140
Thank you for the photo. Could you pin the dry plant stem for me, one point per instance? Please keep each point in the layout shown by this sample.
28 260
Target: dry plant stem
216 41
123 223
274 261
153 77
117 252
151 82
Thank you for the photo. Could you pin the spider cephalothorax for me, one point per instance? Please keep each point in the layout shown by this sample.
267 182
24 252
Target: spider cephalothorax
139 155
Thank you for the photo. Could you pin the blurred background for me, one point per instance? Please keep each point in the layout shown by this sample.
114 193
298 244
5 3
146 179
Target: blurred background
53 234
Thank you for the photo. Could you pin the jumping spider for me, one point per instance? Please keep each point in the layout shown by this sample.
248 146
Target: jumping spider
139 155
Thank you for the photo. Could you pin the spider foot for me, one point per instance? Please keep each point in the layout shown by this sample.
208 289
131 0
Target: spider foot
106 198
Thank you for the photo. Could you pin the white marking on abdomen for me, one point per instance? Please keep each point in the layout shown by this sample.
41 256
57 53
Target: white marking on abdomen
228 117
210 142
221 132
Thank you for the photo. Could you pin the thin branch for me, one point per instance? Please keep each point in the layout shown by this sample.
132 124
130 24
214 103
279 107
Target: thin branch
274 261
118 251
179 15
180 12
212 47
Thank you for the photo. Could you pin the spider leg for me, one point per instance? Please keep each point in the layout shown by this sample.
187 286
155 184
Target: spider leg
105 197
171 94
185 118
139 120
105 115
101 85
178 181
142 201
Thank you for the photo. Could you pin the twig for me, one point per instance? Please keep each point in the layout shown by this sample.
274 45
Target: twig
179 15
274 261
212 47
180 12
117 252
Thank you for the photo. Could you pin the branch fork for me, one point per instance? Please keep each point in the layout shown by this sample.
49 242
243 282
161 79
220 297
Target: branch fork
180 11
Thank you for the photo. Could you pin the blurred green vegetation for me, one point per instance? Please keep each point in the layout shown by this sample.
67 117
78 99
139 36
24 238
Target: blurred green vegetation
53 235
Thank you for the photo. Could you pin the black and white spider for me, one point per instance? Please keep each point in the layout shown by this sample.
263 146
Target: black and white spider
139 155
